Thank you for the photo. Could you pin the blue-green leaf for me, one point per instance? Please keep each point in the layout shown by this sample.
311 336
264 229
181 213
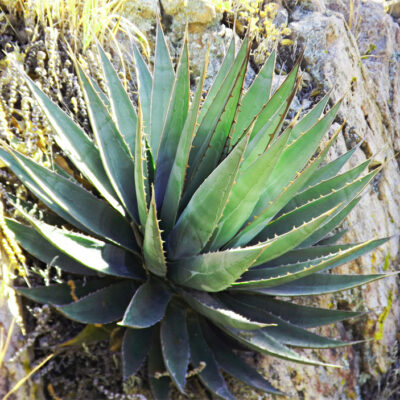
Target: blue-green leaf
114 152
175 344
235 366
201 353
153 251
121 105
76 145
35 244
163 81
159 382
62 293
173 125
75 202
319 283
148 305
135 348
200 217
101 307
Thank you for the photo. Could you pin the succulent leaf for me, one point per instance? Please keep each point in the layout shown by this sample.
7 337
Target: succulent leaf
257 95
201 353
103 306
200 217
235 366
319 283
77 145
93 253
153 250
158 380
62 293
136 345
74 200
283 331
217 271
175 344
216 311
173 125
163 81
114 151
121 105
176 179
303 316
141 172
145 85
148 305
35 244
331 169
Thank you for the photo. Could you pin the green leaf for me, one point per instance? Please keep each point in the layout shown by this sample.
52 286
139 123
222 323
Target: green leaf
266 134
218 138
145 84
210 375
274 276
283 332
331 169
276 107
263 343
216 311
90 252
148 305
310 119
176 179
76 144
219 78
334 238
315 207
306 254
294 158
135 348
75 202
235 366
153 251
325 187
258 223
174 123
140 171
35 244
211 119
24 177
200 217
163 81
217 271
99 91
246 192
255 98
159 385
175 344
114 152
319 283
121 105
62 293
302 316
331 224
101 307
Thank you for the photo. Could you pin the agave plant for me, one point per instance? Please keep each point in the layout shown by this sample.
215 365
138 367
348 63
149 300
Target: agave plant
197 215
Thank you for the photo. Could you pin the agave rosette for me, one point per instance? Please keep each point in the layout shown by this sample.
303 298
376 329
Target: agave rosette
202 213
